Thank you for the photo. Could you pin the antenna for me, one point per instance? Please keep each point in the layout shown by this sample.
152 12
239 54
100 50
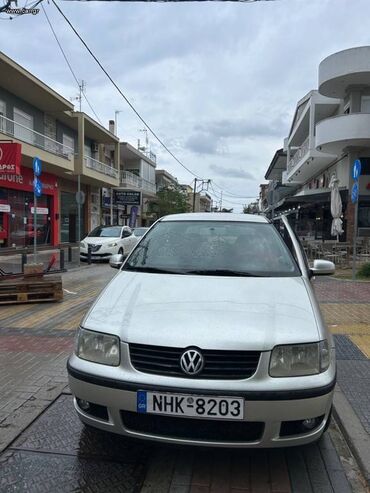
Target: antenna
81 87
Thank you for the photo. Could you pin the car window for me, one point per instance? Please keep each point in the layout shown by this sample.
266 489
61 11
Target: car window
109 232
214 247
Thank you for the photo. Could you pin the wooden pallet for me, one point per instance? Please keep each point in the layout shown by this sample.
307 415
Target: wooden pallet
31 290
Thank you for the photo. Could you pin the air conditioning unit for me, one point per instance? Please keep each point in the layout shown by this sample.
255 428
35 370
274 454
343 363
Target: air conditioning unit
94 147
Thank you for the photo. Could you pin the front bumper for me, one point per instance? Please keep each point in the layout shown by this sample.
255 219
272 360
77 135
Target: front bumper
267 408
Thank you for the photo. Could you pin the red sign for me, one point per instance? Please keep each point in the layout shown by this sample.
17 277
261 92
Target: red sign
10 158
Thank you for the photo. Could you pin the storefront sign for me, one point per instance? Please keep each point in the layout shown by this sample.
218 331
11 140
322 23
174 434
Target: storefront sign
4 208
24 181
40 210
10 158
126 197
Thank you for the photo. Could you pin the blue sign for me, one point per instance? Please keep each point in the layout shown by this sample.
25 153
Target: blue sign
356 170
141 401
37 187
354 193
133 214
36 166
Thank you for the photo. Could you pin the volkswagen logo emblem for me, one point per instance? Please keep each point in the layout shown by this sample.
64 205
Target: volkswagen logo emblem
191 362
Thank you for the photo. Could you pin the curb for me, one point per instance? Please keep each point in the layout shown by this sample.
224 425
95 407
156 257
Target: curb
357 437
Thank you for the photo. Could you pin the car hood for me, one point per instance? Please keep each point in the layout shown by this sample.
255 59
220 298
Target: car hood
205 311
97 240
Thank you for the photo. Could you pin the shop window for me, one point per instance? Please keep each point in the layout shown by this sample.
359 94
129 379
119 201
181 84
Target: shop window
69 218
364 216
20 220
23 126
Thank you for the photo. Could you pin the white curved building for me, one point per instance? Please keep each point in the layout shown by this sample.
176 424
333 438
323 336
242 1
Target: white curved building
330 130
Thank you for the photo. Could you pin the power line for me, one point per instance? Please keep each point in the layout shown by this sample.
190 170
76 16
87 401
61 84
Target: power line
122 94
68 63
231 194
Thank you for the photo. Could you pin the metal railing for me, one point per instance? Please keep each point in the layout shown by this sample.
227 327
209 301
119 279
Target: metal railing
30 136
96 165
299 154
128 179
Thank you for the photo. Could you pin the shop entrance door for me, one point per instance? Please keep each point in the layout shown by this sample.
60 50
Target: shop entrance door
4 229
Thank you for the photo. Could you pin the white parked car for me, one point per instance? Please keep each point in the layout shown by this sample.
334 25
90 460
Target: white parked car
210 334
106 241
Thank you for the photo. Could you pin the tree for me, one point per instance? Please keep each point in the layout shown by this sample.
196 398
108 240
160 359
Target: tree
170 200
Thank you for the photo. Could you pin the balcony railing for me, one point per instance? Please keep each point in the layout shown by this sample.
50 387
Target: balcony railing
30 136
128 179
299 154
106 170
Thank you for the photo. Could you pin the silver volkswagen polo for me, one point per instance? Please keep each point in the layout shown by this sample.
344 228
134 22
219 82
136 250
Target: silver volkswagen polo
209 334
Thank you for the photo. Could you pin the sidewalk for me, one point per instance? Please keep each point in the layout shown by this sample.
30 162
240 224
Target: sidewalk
13 262
346 309
46 444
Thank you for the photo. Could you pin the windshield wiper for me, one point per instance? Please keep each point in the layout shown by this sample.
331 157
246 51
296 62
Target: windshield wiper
153 270
221 272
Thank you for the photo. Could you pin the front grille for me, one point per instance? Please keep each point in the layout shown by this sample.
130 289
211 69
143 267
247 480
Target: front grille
193 429
220 365
94 248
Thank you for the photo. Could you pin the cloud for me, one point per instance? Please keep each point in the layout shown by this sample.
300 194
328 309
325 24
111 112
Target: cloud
231 172
218 81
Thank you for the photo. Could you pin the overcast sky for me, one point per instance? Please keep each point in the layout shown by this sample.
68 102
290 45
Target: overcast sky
218 82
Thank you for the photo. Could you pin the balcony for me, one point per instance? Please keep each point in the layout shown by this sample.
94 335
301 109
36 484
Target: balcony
305 163
101 168
341 70
51 152
130 180
335 134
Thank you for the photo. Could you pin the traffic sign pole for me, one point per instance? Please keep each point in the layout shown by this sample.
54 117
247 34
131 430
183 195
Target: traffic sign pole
355 242
356 173
34 225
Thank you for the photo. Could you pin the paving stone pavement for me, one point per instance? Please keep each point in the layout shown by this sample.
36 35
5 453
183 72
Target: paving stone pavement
55 453
35 341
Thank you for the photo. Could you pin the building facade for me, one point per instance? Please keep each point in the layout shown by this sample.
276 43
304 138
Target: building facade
71 148
330 130
128 202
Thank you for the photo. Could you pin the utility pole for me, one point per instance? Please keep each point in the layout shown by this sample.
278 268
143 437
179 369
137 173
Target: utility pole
194 193
203 182
221 202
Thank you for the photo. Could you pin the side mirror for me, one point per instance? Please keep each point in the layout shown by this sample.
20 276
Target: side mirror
116 261
322 268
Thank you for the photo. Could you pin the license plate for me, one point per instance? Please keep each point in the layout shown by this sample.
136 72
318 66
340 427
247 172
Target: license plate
198 406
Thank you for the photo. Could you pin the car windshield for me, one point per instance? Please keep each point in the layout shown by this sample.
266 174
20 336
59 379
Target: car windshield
213 248
107 232
140 231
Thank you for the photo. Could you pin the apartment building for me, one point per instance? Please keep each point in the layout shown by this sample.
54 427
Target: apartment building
128 202
164 179
71 147
329 131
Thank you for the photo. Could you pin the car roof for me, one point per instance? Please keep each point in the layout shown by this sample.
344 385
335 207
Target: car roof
216 216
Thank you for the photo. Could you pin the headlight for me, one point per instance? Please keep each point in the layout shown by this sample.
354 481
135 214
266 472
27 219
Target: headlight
300 359
82 244
97 347
112 245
